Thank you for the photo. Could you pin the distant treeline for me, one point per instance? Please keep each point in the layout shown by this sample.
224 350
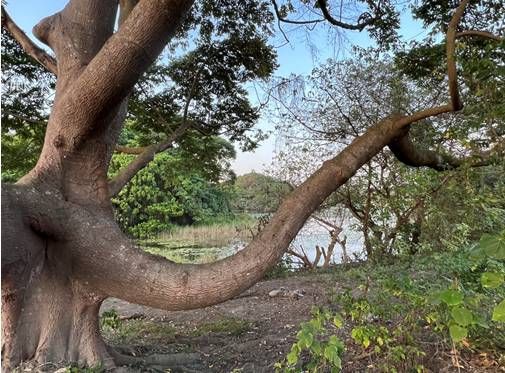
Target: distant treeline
257 193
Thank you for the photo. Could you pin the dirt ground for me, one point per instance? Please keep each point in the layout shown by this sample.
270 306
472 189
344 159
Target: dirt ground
263 333
273 323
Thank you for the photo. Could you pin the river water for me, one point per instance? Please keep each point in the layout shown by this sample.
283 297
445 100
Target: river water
314 233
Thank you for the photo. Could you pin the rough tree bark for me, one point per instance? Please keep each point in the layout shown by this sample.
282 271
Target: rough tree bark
62 252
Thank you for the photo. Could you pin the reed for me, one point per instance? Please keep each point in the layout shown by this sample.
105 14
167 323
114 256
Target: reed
215 235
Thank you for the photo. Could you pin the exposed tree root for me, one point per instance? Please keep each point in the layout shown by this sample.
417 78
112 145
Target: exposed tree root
183 362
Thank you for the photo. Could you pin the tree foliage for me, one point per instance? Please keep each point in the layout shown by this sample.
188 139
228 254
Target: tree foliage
258 193
398 209
177 188
206 83
26 89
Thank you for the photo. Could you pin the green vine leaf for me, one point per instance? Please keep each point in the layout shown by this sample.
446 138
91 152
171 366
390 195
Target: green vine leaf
494 245
462 316
458 333
451 297
491 280
499 312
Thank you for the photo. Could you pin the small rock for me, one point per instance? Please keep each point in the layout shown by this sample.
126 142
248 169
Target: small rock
283 292
277 292
297 294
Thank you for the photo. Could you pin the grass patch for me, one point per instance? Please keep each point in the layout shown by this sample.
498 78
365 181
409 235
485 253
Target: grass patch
140 331
195 255
136 332
215 235
232 327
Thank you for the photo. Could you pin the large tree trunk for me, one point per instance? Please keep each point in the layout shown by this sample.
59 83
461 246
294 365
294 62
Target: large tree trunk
62 252
46 314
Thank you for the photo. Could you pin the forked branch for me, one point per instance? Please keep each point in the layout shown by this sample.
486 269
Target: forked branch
107 79
455 103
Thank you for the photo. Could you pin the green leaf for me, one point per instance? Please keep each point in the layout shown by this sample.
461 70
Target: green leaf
366 342
333 340
337 362
451 297
336 342
305 339
338 321
316 348
331 354
380 341
499 312
457 332
491 280
462 316
292 357
493 245
477 253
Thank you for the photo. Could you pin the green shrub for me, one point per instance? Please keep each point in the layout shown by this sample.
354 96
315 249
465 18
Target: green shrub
316 347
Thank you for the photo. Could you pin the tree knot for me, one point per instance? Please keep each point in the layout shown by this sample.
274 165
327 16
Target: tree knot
58 141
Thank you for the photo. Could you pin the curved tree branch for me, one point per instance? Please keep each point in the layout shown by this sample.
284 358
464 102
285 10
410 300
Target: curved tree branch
413 155
37 53
323 4
478 33
158 283
402 147
105 257
282 18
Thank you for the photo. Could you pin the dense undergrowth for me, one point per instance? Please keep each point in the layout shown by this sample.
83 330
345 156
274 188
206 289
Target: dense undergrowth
397 315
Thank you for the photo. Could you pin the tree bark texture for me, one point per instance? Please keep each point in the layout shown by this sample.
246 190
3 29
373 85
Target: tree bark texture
63 253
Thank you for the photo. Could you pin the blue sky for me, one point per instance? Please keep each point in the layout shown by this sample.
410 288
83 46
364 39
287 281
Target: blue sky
295 57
